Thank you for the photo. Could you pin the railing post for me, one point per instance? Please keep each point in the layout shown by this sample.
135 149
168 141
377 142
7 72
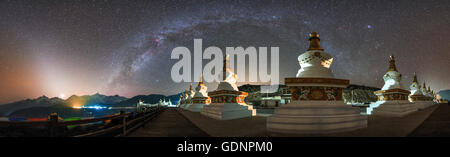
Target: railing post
53 118
124 123
145 119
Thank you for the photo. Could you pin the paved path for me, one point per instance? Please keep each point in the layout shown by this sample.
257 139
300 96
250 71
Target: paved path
437 124
379 126
170 123
243 127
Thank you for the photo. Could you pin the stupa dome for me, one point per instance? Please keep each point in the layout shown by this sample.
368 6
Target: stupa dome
315 62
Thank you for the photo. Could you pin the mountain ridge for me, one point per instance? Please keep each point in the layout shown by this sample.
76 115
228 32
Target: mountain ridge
64 108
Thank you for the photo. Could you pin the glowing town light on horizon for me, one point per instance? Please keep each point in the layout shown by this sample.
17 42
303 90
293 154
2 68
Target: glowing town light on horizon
96 107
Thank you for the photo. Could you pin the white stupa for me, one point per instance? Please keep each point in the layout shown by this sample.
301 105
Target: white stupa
429 92
227 102
189 95
392 98
185 101
424 89
200 98
180 101
317 106
417 96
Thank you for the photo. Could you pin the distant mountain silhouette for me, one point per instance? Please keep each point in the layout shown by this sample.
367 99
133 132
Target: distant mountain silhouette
96 99
38 112
64 107
44 102
150 99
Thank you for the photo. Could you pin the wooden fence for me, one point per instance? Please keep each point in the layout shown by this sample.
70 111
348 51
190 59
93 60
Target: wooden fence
119 125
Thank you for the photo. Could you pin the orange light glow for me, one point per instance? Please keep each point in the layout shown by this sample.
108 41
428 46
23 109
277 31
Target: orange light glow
76 106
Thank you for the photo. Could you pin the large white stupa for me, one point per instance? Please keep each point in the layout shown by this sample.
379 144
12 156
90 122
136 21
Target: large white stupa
317 106
200 98
392 98
417 96
227 102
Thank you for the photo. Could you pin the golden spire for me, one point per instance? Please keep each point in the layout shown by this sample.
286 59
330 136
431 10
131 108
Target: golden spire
392 64
415 78
190 87
201 79
314 42
185 91
224 70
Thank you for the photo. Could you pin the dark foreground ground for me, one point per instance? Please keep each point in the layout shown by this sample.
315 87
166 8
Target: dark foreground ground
169 124
437 124
175 122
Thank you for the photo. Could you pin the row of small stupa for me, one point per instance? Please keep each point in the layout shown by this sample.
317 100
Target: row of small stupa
194 101
317 105
224 103
420 93
393 100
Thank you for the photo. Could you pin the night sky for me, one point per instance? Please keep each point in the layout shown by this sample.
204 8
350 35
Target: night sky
123 47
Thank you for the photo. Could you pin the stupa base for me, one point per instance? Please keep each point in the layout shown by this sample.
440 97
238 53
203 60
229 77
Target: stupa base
186 106
423 104
196 107
394 108
315 117
228 111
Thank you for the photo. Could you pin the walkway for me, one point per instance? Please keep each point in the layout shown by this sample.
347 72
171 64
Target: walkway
170 123
437 124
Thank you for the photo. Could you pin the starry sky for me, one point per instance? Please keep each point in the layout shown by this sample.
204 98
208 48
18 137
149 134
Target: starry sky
123 47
